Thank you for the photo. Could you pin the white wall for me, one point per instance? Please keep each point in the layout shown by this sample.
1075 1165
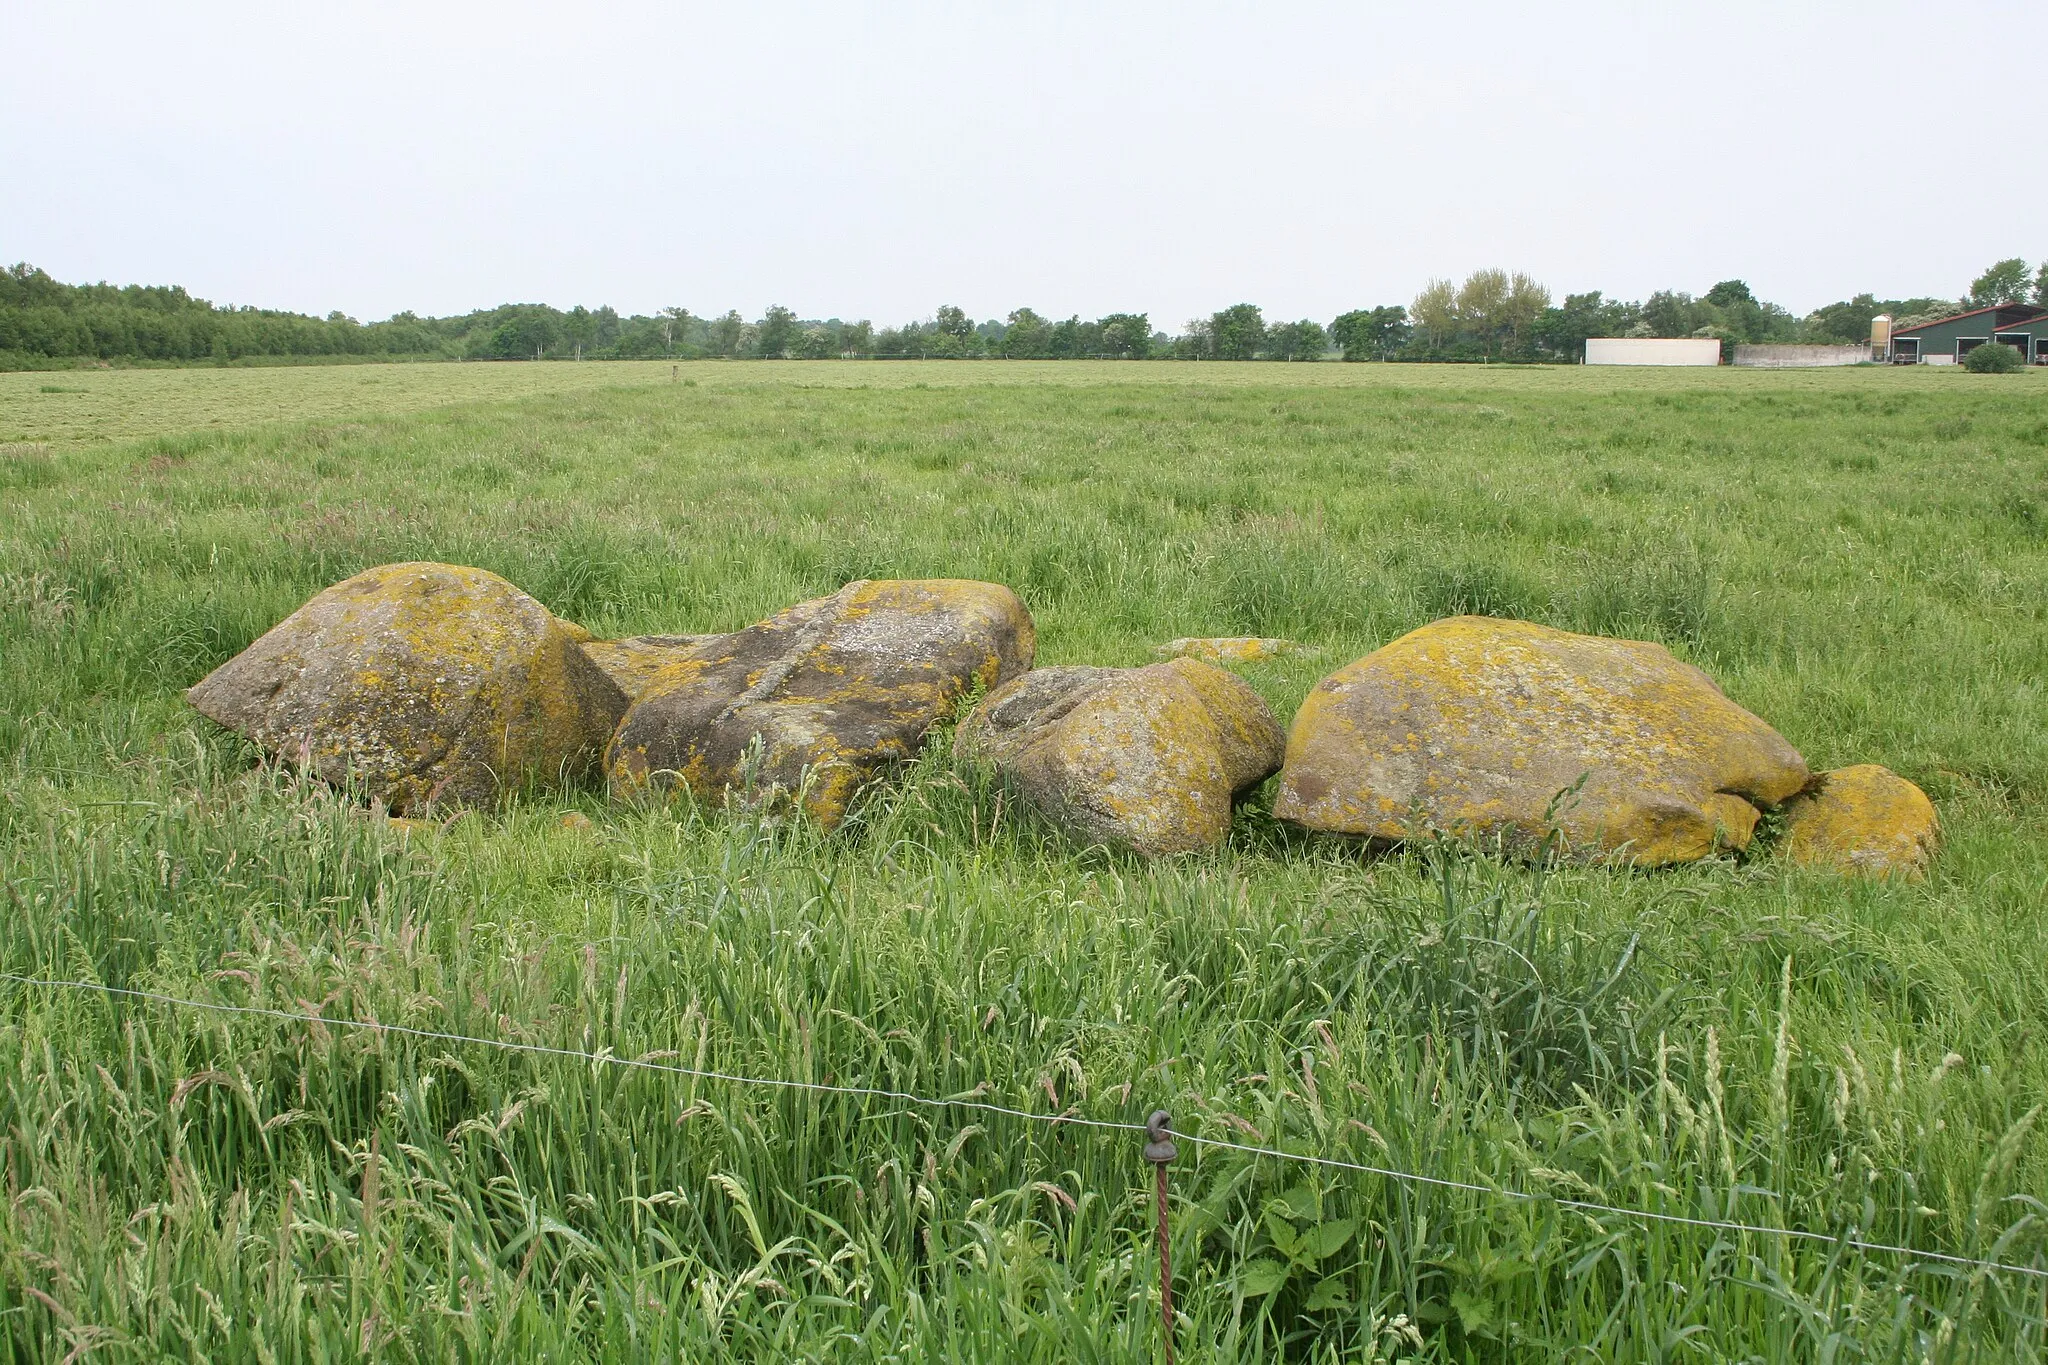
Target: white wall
1653 351
1769 357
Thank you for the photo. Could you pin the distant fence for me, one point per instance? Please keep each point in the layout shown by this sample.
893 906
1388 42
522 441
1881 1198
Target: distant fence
1799 357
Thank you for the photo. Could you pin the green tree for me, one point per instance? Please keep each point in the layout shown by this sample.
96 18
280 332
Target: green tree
2041 285
1127 336
1561 332
1028 337
1303 340
1435 311
2005 282
857 338
526 334
1237 332
726 332
1730 292
1673 313
675 323
1371 333
777 333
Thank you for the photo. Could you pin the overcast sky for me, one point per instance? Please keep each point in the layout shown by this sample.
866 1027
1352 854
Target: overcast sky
879 160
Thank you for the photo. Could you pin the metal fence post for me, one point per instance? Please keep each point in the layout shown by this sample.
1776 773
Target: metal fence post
1159 1151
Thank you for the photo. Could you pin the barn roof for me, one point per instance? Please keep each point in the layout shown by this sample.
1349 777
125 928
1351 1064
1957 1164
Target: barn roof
2027 310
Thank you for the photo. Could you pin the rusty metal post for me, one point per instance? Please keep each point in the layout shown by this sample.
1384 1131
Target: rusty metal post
1159 1151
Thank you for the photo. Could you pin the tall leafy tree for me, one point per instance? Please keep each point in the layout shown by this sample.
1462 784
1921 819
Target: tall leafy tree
675 322
726 332
2005 282
1194 342
1127 336
1303 340
1028 337
777 333
1371 333
1435 311
1237 332
1561 332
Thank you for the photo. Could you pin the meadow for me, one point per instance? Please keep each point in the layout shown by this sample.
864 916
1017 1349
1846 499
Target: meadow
1859 556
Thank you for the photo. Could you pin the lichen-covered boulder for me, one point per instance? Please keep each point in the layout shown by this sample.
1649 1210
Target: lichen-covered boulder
1735 821
633 662
827 692
1503 729
1227 649
1865 820
1147 758
421 682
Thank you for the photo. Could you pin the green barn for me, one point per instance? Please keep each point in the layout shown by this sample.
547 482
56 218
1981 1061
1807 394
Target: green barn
1947 340
2030 338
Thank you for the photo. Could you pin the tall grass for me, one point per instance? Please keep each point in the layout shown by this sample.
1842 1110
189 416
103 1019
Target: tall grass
1734 1042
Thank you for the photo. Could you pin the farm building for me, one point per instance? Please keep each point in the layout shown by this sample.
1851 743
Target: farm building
1653 351
2029 337
1947 340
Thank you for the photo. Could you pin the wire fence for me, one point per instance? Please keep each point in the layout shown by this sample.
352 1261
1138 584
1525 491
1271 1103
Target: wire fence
606 1058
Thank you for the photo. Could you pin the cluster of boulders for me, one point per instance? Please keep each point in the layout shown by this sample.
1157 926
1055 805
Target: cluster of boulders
422 683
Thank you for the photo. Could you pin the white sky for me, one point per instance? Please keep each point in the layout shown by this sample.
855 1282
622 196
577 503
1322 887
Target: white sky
879 160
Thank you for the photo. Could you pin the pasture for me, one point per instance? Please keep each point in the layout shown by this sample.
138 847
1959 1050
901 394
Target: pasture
1859 556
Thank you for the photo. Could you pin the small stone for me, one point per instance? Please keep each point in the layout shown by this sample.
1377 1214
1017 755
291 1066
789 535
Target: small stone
1146 758
1734 821
575 819
1227 649
1866 821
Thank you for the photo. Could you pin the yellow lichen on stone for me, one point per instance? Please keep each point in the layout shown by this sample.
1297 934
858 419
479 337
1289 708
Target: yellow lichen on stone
1504 729
634 662
819 698
1227 649
1864 820
420 682
1735 821
1148 758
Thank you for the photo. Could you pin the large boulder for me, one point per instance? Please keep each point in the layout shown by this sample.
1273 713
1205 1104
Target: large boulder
1147 758
420 682
635 661
1503 729
1865 820
824 694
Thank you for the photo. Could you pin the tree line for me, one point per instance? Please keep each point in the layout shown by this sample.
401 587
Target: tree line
1492 315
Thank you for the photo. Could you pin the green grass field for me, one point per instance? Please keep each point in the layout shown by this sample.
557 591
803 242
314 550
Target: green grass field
1859 556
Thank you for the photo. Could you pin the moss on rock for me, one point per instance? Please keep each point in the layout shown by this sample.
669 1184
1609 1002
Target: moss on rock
634 662
421 682
1146 758
1865 820
826 693
1227 649
1504 729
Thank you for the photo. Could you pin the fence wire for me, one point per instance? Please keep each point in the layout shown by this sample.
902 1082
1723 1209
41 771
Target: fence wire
967 1102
